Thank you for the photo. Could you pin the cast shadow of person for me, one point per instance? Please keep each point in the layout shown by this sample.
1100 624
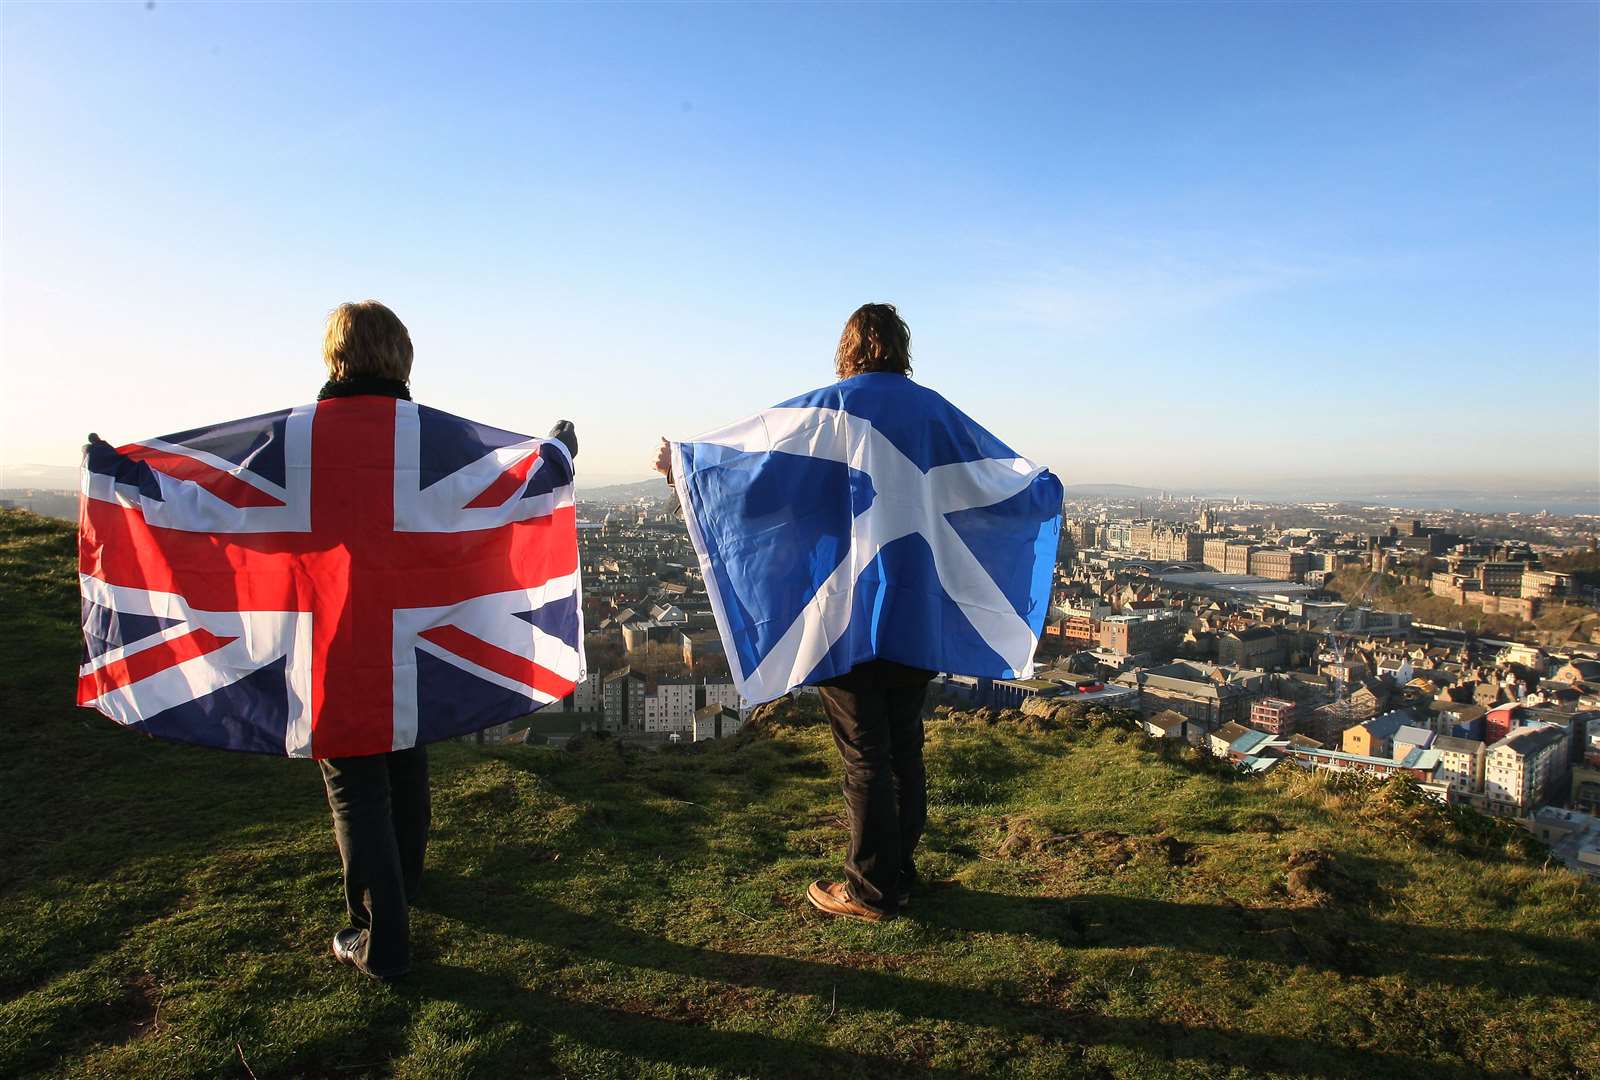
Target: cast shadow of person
1344 939
1017 1013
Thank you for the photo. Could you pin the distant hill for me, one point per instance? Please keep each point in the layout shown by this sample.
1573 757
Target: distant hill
655 489
47 477
614 494
1113 491
1091 907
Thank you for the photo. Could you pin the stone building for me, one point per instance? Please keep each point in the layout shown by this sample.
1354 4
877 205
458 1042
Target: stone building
1278 564
1501 578
1252 647
1545 584
1155 632
1227 556
1210 695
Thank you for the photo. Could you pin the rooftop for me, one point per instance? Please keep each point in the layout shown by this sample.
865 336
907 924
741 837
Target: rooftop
1152 615
1254 633
1249 741
1359 759
1244 584
1389 724
1424 760
1531 739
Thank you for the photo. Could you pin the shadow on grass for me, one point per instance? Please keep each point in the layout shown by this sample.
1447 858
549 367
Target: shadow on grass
683 1043
1328 939
92 798
916 999
106 856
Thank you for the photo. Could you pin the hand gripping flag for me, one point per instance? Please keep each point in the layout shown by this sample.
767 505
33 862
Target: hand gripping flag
867 520
339 579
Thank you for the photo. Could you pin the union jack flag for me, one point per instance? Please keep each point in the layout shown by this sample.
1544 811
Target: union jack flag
339 579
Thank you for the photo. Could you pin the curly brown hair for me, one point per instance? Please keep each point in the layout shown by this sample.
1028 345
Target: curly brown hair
875 338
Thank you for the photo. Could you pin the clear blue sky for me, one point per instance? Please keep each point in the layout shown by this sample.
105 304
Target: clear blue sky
1168 245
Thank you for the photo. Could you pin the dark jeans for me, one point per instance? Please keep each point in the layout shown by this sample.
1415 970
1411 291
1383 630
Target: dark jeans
875 711
381 811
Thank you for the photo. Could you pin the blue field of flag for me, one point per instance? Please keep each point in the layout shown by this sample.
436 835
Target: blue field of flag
870 519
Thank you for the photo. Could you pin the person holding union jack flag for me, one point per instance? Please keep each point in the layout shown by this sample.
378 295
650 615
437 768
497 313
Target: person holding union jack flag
858 539
346 581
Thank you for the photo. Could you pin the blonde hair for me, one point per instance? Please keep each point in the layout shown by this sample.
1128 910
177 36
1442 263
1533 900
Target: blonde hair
366 339
875 338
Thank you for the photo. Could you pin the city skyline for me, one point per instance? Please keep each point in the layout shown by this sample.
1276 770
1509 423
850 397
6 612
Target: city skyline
1418 494
1237 247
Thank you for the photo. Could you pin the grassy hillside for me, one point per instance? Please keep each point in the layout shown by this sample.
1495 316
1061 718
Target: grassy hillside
1393 594
1098 910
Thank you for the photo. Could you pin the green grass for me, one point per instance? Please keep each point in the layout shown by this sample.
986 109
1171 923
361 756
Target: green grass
1097 909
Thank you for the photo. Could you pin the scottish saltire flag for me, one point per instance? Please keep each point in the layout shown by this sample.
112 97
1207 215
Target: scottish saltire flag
870 519
339 579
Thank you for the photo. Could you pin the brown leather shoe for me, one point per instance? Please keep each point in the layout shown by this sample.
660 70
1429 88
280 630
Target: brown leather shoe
833 898
347 950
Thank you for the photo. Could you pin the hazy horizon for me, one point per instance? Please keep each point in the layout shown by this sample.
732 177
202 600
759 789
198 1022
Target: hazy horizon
1173 246
1559 500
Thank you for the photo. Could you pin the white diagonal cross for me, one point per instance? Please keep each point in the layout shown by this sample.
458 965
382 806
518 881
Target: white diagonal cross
907 500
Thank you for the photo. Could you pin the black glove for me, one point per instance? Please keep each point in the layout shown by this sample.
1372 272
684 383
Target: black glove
566 435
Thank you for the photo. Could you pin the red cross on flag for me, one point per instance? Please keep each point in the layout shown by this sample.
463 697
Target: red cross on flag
339 579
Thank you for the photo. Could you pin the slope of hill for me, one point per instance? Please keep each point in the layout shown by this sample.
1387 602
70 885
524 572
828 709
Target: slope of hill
1096 909
1393 594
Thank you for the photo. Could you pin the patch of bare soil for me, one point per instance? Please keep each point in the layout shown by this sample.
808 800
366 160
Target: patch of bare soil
1315 879
1026 839
137 1013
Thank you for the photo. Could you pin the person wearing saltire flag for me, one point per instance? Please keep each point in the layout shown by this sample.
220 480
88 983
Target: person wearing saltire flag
346 581
860 538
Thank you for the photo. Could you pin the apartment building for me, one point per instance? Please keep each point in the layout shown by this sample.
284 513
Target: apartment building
670 706
1275 716
725 694
1461 764
715 722
622 698
1522 770
1080 626
585 696
1154 632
